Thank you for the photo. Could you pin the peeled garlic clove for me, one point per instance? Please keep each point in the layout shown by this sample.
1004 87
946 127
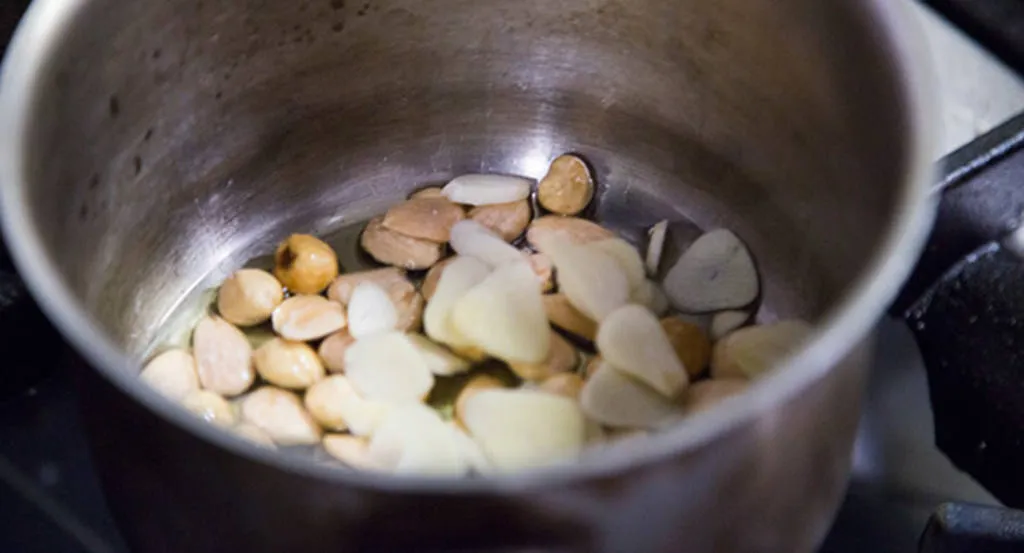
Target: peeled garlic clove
394 248
254 434
470 239
612 398
354 451
458 278
690 342
749 352
470 450
708 393
562 358
562 314
280 414
336 405
486 189
392 279
304 318
288 364
544 269
305 264
567 188
210 407
727 321
332 350
223 357
439 360
172 373
566 384
508 221
248 297
626 256
655 247
572 229
715 273
426 218
504 315
414 440
386 366
632 340
475 384
370 310
520 429
650 295
593 281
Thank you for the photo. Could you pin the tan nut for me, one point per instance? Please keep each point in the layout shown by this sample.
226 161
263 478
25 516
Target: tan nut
288 364
410 313
693 348
568 188
281 415
428 192
562 358
223 357
434 275
332 350
325 401
564 384
575 230
562 314
427 218
751 351
305 264
172 373
477 382
508 221
591 366
303 318
707 393
248 297
544 269
396 249
210 407
253 434
354 451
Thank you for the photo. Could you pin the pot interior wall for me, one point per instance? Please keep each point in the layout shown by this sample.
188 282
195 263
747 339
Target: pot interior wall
175 138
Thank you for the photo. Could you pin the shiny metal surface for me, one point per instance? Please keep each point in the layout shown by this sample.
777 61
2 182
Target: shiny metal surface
150 144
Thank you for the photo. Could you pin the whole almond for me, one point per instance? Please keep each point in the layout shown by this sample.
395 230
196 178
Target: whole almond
562 314
172 373
303 318
281 415
223 357
396 249
292 365
426 218
248 297
507 220
575 230
562 358
210 407
693 348
428 192
434 275
567 188
332 350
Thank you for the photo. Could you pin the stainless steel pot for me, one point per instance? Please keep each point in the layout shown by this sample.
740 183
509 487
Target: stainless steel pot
149 145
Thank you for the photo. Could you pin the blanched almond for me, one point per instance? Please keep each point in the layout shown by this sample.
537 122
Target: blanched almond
562 314
504 315
565 384
394 248
707 393
715 273
727 321
520 429
354 451
223 357
336 405
486 189
458 278
470 239
433 276
332 350
303 318
248 297
172 373
426 218
439 360
690 343
593 281
632 340
386 366
544 269
280 414
476 383
562 358
615 399
428 192
414 440
370 310
253 434
655 247
591 366
288 364
508 221
305 264
410 314
749 352
573 229
567 188
210 407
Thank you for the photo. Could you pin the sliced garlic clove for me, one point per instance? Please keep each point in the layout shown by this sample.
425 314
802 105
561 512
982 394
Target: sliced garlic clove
504 315
223 357
715 273
752 351
708 393
414 440
726 322
614 399
370 310
572 229
172 373
651 296
626 256
632 340
470 239
593 281
458 278
655 247
562 357
386 366
476 383
521 429
475 189
288 364
210 407
336 405
354 451
253 434
281 415
562 314
470 450
425 218
392 279
305 318
439 360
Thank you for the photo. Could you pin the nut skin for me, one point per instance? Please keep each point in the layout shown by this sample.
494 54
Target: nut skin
305 264
248 297
508 221
568 187
691 343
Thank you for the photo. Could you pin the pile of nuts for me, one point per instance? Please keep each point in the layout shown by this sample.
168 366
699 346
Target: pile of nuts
533 339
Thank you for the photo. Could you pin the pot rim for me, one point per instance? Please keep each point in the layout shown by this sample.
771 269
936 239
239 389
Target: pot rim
27 61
